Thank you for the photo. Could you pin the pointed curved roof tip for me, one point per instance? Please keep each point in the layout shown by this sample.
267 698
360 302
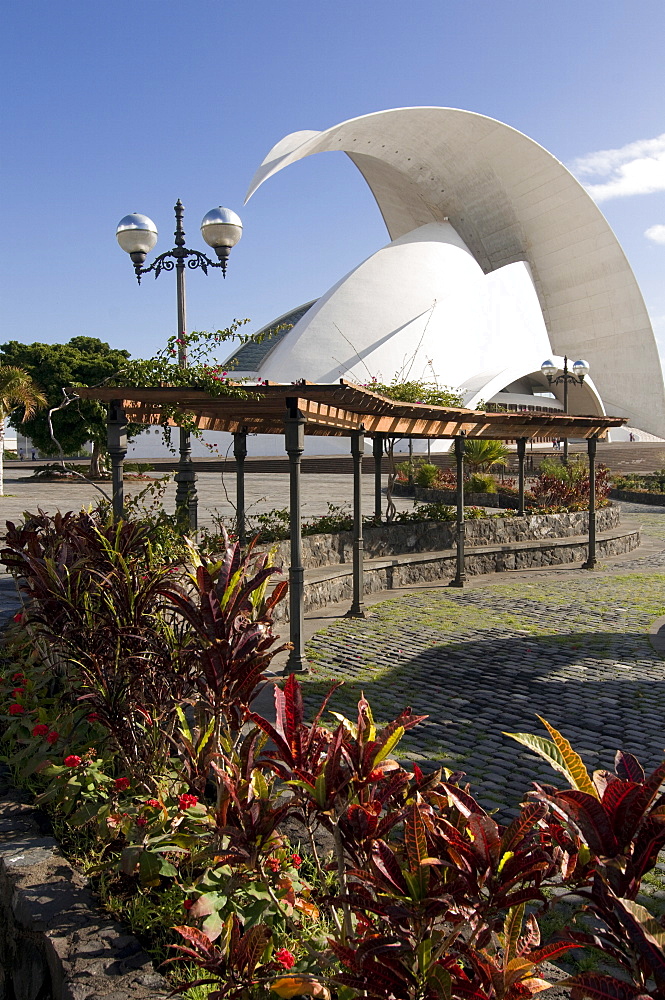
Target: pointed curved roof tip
510 200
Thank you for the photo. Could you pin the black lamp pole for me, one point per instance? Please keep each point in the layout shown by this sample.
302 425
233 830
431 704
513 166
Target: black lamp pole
219 221
566 378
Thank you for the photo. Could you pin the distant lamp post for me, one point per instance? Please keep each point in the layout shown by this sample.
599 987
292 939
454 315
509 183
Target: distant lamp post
576 377
137 234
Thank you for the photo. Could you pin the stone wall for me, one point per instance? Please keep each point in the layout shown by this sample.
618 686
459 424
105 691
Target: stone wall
433 536
55 944
323 588
633 496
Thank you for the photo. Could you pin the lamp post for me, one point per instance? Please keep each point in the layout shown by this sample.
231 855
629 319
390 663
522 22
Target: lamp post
137 234
579 372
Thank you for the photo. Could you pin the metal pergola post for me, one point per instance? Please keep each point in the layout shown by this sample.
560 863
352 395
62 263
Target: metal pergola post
591 560
377 452
521 452
240 454
294 426
357 609
460 575
117 445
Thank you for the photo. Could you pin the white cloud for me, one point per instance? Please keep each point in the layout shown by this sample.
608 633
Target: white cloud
655 233
637 168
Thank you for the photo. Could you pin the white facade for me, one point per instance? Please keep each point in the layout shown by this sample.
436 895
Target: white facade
498 259
509 200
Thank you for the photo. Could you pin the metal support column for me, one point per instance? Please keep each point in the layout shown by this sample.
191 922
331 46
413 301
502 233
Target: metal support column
377 451
591 561
117 444
521 452
460 576
294 425
357 609
240 454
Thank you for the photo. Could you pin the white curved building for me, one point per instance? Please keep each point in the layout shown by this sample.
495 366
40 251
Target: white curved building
498 259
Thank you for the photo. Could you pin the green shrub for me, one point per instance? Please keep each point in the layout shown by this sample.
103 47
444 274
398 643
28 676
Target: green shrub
426 475
480 454
566 487
481 482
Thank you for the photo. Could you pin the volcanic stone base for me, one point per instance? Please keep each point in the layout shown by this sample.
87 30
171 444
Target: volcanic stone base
635 496
330 584
55 944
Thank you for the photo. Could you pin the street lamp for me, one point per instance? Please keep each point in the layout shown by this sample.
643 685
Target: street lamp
579 372
137 234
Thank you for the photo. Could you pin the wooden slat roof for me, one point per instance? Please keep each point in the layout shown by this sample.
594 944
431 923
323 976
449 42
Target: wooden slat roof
340 408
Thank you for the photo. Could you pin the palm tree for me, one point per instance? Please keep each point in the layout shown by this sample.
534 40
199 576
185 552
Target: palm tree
480 455
16 390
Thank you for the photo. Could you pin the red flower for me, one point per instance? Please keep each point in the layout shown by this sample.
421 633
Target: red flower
17 692
187 800
72 761
121 784
16 709
296 860
155 803
285 958
274 864
18 678
18 617
188 904
40 729
92 716
142 821
53 737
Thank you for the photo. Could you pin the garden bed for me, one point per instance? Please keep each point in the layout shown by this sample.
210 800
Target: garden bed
504 501
182 803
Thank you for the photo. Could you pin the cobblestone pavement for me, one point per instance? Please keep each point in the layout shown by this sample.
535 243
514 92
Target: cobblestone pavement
572 646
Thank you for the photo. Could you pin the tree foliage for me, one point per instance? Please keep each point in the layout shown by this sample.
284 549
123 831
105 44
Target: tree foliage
81 361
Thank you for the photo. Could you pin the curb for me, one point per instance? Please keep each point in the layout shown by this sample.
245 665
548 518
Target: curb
657 635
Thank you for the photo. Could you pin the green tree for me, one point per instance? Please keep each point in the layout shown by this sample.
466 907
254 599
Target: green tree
81 361
17 392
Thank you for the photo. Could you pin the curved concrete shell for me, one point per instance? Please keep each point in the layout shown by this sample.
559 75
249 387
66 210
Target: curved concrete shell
509 200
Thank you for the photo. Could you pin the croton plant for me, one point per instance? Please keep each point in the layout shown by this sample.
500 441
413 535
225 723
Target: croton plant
128 703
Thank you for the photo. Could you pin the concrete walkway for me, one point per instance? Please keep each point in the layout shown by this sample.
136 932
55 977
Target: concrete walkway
216 494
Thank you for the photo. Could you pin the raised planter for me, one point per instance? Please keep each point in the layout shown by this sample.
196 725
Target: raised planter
505 501
431 536
638 496
398 555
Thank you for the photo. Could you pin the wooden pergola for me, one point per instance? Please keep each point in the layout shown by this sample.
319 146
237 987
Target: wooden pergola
343 410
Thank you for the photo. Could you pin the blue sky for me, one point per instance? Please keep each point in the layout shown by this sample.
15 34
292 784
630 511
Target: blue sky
117 107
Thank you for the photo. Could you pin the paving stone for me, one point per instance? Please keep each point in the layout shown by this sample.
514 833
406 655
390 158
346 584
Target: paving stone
571 648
